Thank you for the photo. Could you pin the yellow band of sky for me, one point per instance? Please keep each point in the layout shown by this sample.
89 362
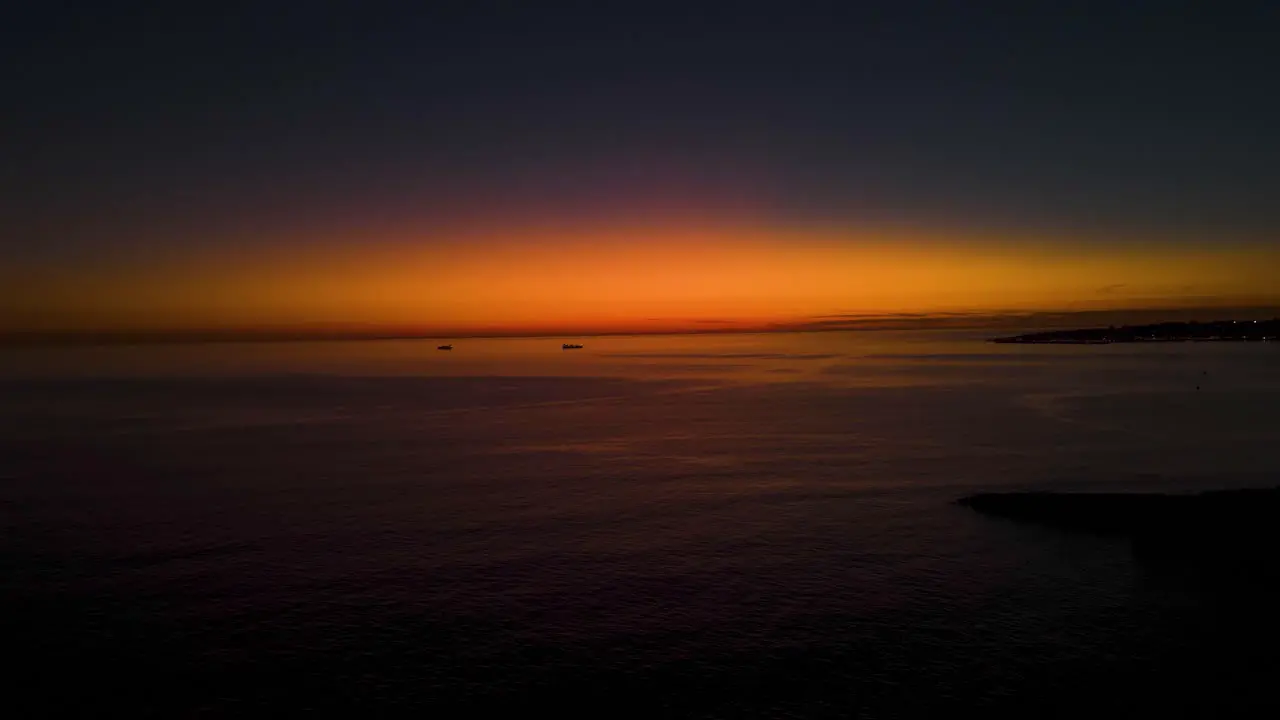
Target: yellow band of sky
626 280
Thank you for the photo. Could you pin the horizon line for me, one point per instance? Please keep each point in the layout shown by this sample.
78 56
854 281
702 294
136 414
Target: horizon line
849 322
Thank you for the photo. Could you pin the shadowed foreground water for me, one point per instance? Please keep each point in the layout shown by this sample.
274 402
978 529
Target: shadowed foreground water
722 526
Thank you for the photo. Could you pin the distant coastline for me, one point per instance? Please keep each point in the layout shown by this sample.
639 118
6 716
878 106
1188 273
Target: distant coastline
1214 331
1174 324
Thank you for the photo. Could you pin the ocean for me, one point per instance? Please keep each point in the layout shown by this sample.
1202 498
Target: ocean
718 525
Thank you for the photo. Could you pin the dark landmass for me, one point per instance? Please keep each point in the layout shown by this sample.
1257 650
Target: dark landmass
12 334
1215 331
1227 534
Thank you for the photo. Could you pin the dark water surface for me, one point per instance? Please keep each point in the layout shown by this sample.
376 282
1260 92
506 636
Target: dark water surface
713 526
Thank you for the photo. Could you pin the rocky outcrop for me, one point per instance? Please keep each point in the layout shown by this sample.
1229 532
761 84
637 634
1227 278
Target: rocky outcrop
1227 534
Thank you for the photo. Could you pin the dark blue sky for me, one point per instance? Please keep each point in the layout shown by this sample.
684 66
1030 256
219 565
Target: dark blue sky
129 127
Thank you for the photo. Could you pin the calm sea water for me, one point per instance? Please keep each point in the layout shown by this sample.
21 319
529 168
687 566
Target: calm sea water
666 526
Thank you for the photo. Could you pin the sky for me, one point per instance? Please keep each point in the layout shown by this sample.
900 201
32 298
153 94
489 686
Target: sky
528 167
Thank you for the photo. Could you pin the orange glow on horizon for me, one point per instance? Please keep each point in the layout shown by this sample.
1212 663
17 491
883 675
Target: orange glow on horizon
627 280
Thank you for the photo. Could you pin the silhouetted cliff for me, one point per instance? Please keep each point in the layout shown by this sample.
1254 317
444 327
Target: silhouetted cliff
1227 534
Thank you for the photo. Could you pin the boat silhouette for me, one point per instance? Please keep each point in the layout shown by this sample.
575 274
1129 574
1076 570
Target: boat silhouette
444 347
570 346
